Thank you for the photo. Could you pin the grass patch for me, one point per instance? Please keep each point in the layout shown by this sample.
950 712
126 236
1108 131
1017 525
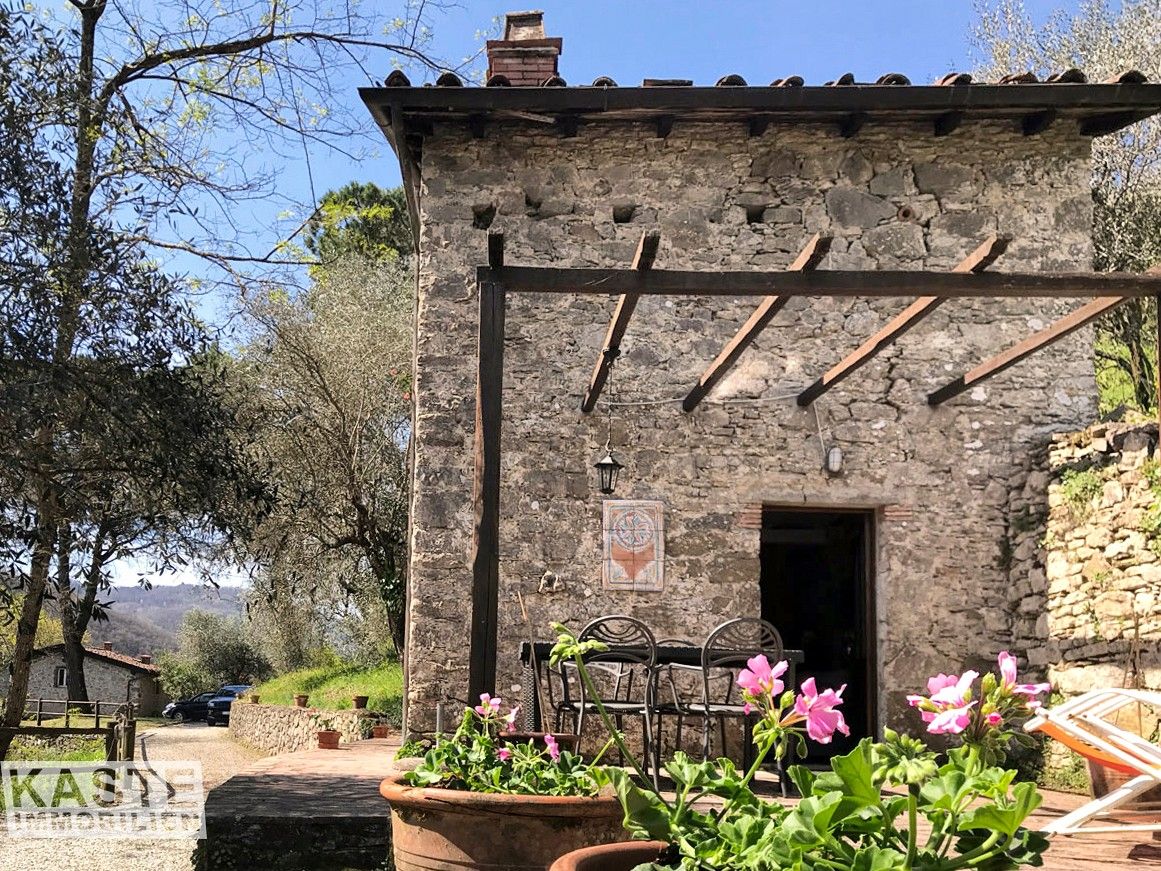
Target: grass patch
331 687
1079 489
69 748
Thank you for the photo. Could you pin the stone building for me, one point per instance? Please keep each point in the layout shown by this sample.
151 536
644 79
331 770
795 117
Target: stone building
109 676
886 567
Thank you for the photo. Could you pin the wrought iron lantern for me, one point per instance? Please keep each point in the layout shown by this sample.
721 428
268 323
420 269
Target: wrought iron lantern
608 469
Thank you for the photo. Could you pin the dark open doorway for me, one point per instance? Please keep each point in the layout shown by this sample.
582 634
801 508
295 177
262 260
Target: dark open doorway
818 589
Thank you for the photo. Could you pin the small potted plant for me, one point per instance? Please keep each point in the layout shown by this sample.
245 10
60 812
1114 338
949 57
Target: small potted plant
478 798
973 811
300 700
328 737
360 702
381 730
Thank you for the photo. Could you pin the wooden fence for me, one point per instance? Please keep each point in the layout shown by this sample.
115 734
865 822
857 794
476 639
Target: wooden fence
119 729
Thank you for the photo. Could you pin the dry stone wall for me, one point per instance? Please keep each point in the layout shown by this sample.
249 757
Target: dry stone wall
939 478
280 729
1086 570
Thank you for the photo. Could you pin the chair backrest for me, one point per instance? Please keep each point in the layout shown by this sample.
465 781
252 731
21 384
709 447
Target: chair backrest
631 647
734 642
630 641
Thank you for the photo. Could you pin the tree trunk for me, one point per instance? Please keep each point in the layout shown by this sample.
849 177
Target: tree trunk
74 650
78 260
29 619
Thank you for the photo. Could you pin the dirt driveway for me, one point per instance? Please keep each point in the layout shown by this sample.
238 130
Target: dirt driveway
221 758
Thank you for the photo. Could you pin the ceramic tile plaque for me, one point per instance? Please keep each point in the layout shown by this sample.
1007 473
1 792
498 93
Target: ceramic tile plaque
634 532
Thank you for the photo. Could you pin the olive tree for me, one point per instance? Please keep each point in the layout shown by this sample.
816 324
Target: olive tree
328 373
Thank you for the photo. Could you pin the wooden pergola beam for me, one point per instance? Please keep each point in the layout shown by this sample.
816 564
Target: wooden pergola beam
642 262
825 282
1054 332
977 261
808 259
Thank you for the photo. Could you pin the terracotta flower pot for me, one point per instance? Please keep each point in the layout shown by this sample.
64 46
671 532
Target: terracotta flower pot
381 731
360 702
610 857
450 830
300 700
328 739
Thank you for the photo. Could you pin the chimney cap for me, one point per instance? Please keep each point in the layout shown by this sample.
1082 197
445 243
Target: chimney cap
145 658
519 26
106 645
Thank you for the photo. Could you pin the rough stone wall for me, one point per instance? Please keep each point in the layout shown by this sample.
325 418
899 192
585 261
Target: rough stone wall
938 478
1085 567
281 729
106 683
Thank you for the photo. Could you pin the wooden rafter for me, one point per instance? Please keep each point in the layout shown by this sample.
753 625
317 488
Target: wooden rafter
808 259
1013 355
823 282
977 261
626 305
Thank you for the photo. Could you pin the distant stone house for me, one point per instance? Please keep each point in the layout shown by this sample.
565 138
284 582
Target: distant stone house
110 677
884 561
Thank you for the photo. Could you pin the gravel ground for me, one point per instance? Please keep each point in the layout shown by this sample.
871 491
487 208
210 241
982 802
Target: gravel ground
220 758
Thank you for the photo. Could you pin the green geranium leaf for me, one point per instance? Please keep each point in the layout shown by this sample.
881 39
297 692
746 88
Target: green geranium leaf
1006 817
808 825
879 859
852 776
645 813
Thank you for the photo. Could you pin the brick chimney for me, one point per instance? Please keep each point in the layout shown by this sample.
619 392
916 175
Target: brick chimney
525 56
145 659
106 645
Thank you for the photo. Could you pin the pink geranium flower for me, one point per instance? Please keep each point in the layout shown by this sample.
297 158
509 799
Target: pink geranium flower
510 720
488 706
951 720
819 710
759 678
994 719
955 691
1008 681
553 747
504 753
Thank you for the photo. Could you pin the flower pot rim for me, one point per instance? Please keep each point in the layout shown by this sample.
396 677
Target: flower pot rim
329 732
603 852
400 795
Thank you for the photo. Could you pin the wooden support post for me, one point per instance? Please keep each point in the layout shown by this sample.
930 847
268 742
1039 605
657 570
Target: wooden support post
977 261
808 259
486 491
1013 355
1157 362
642 262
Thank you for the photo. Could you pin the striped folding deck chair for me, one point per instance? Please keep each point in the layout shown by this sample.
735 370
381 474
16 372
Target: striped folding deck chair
1082 725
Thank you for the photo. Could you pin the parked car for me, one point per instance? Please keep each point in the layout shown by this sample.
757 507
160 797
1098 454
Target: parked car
191 709
197 707
218 708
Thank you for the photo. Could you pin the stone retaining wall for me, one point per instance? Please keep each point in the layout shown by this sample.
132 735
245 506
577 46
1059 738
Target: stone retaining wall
278 729
1086 567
